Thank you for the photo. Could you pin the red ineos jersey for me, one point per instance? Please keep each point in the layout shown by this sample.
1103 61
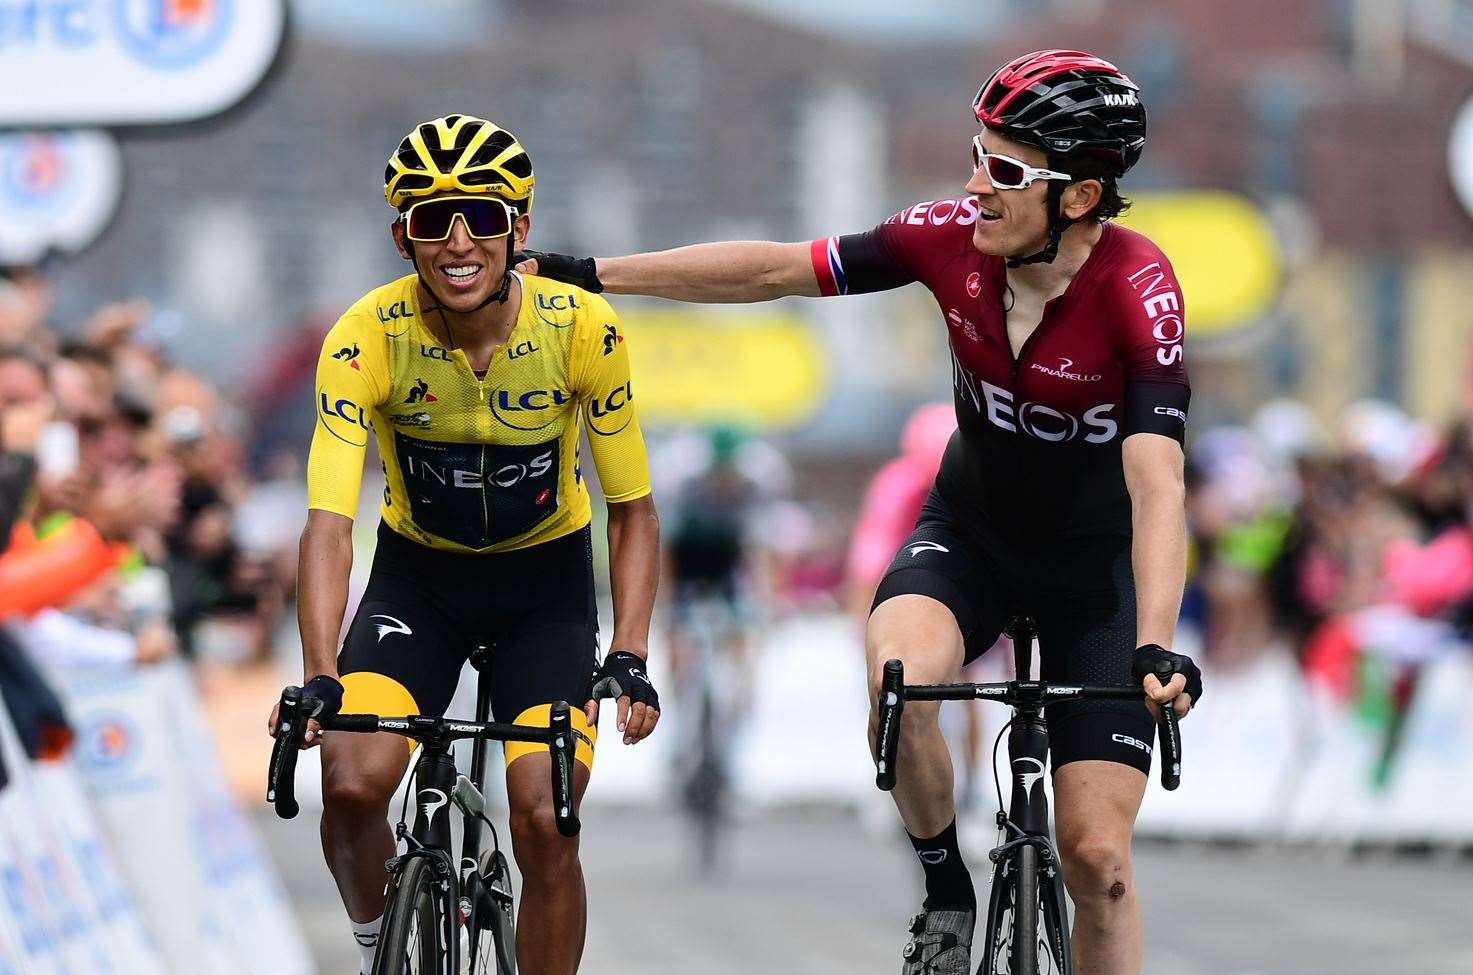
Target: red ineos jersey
1038 449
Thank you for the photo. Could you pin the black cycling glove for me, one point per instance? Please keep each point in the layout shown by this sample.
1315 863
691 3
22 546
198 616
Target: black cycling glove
322 697
622 674
578 271
1156 659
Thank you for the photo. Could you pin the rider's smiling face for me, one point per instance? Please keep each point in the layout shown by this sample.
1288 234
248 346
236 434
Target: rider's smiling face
462 271
1010 222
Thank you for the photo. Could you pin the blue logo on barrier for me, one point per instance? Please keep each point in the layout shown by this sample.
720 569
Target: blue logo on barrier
33 170
172 33
109 743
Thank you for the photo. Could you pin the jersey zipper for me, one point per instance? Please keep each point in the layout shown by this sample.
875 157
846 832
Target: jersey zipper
485 500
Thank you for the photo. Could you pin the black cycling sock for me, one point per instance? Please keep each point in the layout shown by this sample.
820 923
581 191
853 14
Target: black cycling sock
948 882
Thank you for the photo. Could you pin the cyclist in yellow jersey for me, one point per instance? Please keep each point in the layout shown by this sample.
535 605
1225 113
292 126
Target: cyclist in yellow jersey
476 383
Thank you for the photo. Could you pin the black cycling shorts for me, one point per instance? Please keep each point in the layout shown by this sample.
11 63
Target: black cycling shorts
1081 592
425 611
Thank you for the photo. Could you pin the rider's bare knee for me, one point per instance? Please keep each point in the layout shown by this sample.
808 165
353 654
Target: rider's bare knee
354 793
1096 866
540 849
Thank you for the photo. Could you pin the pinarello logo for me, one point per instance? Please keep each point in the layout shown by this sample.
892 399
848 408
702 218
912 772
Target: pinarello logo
109 742
33 168
974 284
172 33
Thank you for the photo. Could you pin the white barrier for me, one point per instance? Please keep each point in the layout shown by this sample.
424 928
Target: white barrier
201 877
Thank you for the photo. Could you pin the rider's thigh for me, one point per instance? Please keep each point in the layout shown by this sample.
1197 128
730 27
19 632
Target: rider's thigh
1095 805
361 772
919 631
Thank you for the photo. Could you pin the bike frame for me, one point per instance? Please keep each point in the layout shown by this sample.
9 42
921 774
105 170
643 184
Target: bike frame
1026 822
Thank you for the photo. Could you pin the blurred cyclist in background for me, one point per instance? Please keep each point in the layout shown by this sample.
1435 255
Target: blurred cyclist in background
1061 494
712 555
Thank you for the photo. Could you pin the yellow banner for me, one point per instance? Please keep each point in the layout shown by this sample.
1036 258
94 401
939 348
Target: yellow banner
762 370
1222 248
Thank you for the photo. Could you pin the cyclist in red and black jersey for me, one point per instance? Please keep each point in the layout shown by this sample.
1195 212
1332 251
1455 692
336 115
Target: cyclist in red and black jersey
1061 493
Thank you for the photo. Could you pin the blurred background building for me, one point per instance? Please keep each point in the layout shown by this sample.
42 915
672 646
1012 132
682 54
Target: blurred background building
1309 170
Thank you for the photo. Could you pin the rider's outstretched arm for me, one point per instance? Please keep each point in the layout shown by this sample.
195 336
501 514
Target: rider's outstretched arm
729 271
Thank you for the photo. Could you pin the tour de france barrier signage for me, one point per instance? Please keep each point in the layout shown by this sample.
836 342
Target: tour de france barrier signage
131 62
58 190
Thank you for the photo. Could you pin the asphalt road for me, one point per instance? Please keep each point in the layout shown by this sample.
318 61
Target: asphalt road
815 892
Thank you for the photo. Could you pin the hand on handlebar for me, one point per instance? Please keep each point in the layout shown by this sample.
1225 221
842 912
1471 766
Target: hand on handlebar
1183 686
322 696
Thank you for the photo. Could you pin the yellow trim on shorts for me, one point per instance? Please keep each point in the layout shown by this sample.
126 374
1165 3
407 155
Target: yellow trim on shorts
365 692
540 716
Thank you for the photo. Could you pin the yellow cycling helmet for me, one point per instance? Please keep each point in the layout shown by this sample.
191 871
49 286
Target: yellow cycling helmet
462 153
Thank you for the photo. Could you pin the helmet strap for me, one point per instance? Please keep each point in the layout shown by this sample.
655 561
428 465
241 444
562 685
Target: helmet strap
1057 224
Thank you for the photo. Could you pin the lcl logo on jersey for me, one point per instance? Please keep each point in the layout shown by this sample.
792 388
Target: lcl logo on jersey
556 310
1035 419
393 312
607 414
529 410
343 418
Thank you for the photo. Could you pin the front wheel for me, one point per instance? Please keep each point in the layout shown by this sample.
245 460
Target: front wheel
419 924
1027 930
492 922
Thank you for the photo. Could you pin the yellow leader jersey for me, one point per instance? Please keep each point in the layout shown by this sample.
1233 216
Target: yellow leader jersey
477 465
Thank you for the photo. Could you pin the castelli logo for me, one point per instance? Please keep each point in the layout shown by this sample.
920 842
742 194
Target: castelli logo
974 284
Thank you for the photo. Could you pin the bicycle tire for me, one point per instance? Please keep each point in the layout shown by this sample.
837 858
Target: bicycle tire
1013 935
493 922
415 923
1023 952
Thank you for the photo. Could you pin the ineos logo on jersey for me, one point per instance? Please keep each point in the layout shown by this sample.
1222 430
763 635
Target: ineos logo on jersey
505 476
938 213
1063 372
1035 419
1163 306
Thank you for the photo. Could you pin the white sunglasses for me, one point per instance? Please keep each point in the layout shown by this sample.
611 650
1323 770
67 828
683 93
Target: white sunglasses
1007 173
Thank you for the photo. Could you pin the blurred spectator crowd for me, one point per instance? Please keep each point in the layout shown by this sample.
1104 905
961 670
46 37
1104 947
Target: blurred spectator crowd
123 483
1351 547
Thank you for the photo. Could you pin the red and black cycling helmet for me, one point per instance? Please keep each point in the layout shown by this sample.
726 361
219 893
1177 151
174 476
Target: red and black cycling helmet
1074 106
1065 103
